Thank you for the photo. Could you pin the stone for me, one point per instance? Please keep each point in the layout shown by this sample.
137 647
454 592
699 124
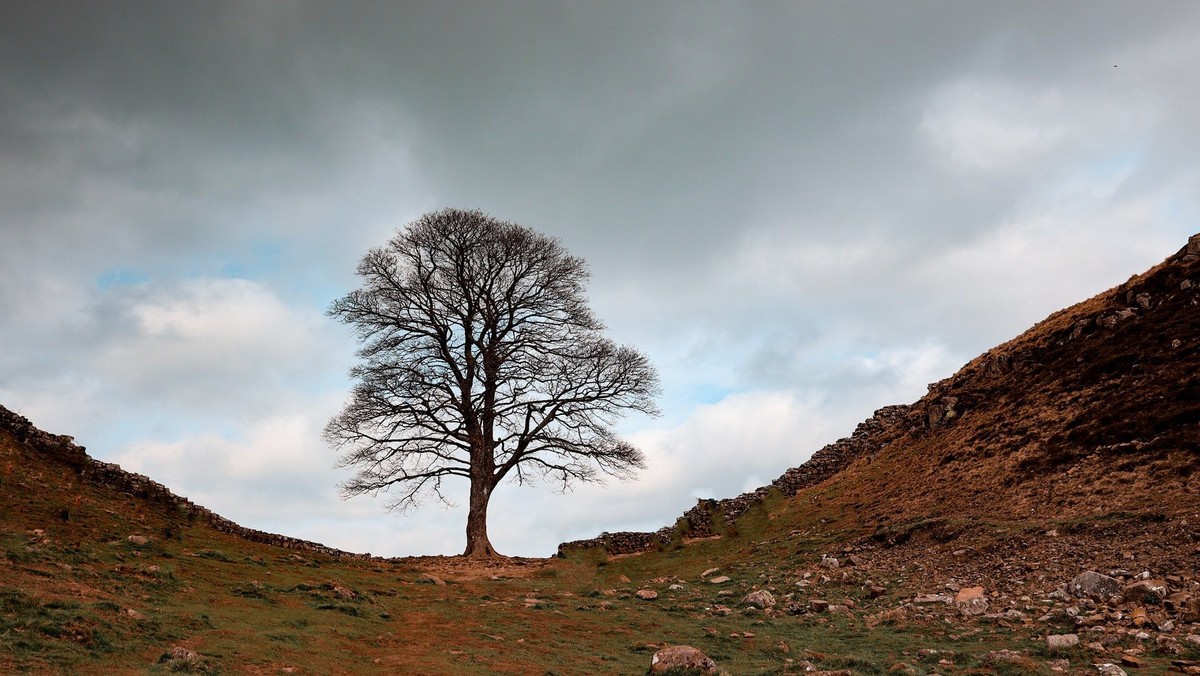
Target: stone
708 572
1095 585
139 540
1130 661
1138 617
933 598
818 605
971 601
1147 591
1193 639
1143 300
720 579
434 579
1110 669
760 598
1193 245
647 594
829 562
1060 666
681 659
676 587
179 652
1185 285
1062 641
134 614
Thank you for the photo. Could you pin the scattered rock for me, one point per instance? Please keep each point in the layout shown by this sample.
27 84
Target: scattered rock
720 579
760 598
971 601
681 659
1062 641
647 594
1094 585
1147 591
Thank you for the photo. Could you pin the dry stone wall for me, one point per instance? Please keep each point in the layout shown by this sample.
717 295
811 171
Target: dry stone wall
62 449
870 437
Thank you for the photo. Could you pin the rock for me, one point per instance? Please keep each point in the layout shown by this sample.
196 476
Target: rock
134 614
434 579
708 572
1193 245
1138 617
818 605
624 578
647 594
829 562
933 598
1110 669
681 659
1095 585
1193 639
1060 666
1004 656
1147 591
720 579
181 653
139 540
1185 285
1143 300
971 601
839 609
1062 641
856 560
1130 661
760 598
676 587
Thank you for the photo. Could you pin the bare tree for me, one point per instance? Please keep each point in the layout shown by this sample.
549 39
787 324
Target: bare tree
480 359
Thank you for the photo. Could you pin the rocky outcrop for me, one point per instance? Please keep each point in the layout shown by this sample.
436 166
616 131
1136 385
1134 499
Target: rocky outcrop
62 449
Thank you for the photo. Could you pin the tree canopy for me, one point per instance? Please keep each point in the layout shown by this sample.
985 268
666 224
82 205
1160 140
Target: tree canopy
480 359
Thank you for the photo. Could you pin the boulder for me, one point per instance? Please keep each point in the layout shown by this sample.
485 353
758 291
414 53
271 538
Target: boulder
1095 585
1147 591
971 601
681 659
1062 641
759 598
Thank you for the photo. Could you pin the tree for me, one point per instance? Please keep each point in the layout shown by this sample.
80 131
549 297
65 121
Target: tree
480 359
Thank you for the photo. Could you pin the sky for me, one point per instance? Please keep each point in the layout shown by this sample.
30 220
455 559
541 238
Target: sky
800 211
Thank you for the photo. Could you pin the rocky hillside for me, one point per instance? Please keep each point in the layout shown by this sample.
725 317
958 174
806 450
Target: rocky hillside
1094 410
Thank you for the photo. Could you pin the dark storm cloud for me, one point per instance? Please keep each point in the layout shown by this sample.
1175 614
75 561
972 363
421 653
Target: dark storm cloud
811 208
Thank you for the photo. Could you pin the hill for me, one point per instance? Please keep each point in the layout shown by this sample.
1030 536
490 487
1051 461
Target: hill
1035 512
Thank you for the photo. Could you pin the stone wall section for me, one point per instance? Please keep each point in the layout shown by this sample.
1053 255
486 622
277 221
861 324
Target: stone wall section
61 448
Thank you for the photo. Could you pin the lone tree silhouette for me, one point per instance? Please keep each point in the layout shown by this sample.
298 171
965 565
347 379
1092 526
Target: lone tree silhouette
480 359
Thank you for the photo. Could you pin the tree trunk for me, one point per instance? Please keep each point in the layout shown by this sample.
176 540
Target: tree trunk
478 546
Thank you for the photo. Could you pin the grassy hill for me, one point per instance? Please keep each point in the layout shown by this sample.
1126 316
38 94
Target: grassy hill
943 537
